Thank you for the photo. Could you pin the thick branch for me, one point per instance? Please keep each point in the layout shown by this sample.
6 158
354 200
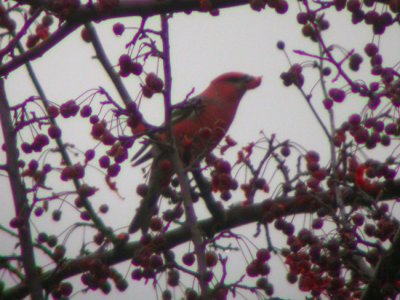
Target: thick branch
385 272
234 217
21 204
141 8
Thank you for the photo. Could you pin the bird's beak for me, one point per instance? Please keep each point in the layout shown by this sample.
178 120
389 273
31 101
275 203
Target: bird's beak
253 82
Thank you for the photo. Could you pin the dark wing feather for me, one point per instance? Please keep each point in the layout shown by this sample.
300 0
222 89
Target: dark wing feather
187 109
180 111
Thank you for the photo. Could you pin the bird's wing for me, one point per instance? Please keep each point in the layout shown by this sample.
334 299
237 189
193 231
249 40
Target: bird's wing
187 109
181 111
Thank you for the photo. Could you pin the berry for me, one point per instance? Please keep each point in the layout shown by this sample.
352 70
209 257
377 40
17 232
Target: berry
53 111
104 162
136 68
355 61
371 49
211 259
263 255
173 277
154 82
142 189
85 35
337 95
89 155
54 131
103 208
32 40
188 259
56 215
281 45
328 103
281 7
302 18
118 29
147 91
113 170
86 111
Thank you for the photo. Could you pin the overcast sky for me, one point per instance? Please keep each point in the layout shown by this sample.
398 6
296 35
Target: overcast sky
202 47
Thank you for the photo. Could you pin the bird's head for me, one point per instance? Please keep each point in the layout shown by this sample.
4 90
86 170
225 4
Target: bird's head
232 85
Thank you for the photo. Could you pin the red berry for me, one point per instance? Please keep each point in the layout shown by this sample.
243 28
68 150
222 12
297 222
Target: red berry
142 189
173 277
136 68
89 155
154 82
263 255
281 7
53 111
54 131
56 215
38 211
355 61
98 129
33 165
252 269
32 40
302 18
156 261
136 274
26 148
118 29
257 5
211 259
328 103
85 216
147 91
337 95
156 224
94 119
103 208
86 111
113 170
371 49
188 259
355 119
104 162
85 35
124 62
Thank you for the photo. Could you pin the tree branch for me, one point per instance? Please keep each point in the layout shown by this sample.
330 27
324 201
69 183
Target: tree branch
125 8
21 205
234 217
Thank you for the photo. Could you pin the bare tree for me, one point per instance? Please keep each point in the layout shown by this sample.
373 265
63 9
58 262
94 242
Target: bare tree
348 249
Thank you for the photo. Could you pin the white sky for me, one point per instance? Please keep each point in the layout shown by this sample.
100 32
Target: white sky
202 47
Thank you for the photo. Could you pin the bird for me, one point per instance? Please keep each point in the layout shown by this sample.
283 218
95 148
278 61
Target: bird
198 126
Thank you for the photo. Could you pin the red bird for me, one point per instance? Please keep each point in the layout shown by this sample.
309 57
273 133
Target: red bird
199 125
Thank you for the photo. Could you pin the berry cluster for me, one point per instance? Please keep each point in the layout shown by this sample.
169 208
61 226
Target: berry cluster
128 66
154 84
293 76
259 268
98 275
221 179
280 6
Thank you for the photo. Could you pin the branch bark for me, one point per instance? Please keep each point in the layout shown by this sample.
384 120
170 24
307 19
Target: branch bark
21 205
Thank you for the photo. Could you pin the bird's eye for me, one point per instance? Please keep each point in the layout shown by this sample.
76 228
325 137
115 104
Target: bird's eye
235 79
